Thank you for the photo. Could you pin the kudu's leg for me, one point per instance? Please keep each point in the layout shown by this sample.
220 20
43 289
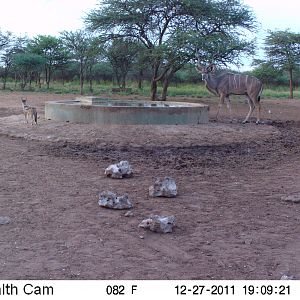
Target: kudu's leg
252 106
228 103
258 112
221 102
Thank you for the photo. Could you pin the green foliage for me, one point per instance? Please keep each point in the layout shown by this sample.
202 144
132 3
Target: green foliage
283 49
266 72
83 48
122 54
193 90
283 54
5 39
51 48
12 46
26 64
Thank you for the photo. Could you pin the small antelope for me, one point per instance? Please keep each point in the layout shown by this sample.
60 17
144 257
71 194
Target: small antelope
29 111
232 84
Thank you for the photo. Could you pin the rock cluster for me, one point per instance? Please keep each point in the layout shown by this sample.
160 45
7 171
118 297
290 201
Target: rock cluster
161 188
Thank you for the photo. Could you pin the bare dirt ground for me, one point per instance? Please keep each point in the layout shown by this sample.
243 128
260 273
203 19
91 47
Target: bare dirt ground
231 221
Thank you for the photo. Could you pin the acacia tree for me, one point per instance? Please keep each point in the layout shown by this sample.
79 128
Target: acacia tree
5 43
5 48
166 28
13 46
51 49
81 46
267 72
94 53
4 39
27 65
283 52
121 54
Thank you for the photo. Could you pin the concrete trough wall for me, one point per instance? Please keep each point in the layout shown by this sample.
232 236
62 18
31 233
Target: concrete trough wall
127 113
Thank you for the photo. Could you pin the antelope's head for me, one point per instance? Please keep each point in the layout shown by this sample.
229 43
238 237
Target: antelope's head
205 71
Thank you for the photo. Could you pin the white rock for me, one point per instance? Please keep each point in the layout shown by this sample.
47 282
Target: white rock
163 188
295 198
286 277
111 200
120 170
162 224
4 220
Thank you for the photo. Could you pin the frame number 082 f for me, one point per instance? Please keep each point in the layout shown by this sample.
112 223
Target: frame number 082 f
120 289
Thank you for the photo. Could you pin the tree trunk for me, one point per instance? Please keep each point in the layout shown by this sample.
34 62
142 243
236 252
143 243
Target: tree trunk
49 78
4 82
91 84
154 82
46 76
123 82
291 84
153 90
16 79
48 82
81 78
118 77
63 77
23 81
90 79
166 83
39 81
140 79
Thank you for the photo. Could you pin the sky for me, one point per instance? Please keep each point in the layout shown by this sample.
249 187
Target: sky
44 17
50 17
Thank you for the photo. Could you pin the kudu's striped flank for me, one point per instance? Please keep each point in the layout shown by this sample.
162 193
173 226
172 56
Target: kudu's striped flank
233 84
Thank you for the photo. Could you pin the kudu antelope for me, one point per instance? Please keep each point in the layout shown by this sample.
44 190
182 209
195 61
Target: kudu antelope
232 84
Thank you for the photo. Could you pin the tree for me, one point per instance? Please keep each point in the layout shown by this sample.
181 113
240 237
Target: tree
121 54
170 30
5 43
26 65
4 39
13 46
51 49
82 49
94 53
283 51
266 71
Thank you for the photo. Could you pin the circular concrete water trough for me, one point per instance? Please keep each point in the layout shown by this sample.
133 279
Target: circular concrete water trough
127 112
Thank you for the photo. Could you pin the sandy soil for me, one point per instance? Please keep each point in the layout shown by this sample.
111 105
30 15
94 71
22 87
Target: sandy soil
231 221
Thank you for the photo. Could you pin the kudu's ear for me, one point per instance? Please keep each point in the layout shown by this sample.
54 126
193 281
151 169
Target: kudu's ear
199 68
